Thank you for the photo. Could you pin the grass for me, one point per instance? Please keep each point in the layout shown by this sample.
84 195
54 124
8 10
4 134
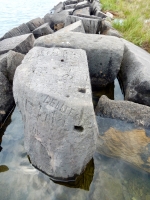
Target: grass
134 14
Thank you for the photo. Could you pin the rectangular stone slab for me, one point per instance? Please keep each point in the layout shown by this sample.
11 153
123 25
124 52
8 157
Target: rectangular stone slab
75 27
52 89
21 44
90 25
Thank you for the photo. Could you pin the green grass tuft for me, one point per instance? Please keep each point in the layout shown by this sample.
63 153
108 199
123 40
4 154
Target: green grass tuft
133 14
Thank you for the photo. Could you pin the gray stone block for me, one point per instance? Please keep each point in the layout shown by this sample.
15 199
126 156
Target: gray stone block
35 23
58 8
124 110
85 11
68 2
20 30
70 6
42 30
135 74
6 98
3 64
21 44
96 7
105 53
52 89
56 18
14 59
81 5
75 27
90 25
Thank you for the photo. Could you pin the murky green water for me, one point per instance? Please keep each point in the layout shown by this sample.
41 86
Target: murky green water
104 179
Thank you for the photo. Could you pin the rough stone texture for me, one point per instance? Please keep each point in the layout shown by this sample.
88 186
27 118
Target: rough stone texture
85 11
20 30
75 27
6 98
58 8
14 59
3 64
9 62
135 74
70 6
21 44
101 14
90 25
68 2
112 32
56 18
81 5
96 7
42 30
52 90
104 53
35 23
124 110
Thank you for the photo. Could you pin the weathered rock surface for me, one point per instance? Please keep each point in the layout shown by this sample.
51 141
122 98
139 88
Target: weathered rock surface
14 59
9 62
42 30
85 11
82 4
52 90
35 23
3 64
118 137
58 8
68 2
90 25
70 6
135 74
56 18
96 7
124 110
104 53
20 30
6 98
21 44
75 27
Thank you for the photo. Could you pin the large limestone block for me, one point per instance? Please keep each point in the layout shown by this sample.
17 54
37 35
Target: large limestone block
68 2
58 8
90 25
6 98
52 90
42 30
21 44
135 74
35 23
20 30
104 53
124 131
75 27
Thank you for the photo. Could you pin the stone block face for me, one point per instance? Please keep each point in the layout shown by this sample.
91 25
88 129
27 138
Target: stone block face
20 30
90 25
85 11
42 30
68 2
75 27
135 74
21 44
6 98
52 90
35 23
104 53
